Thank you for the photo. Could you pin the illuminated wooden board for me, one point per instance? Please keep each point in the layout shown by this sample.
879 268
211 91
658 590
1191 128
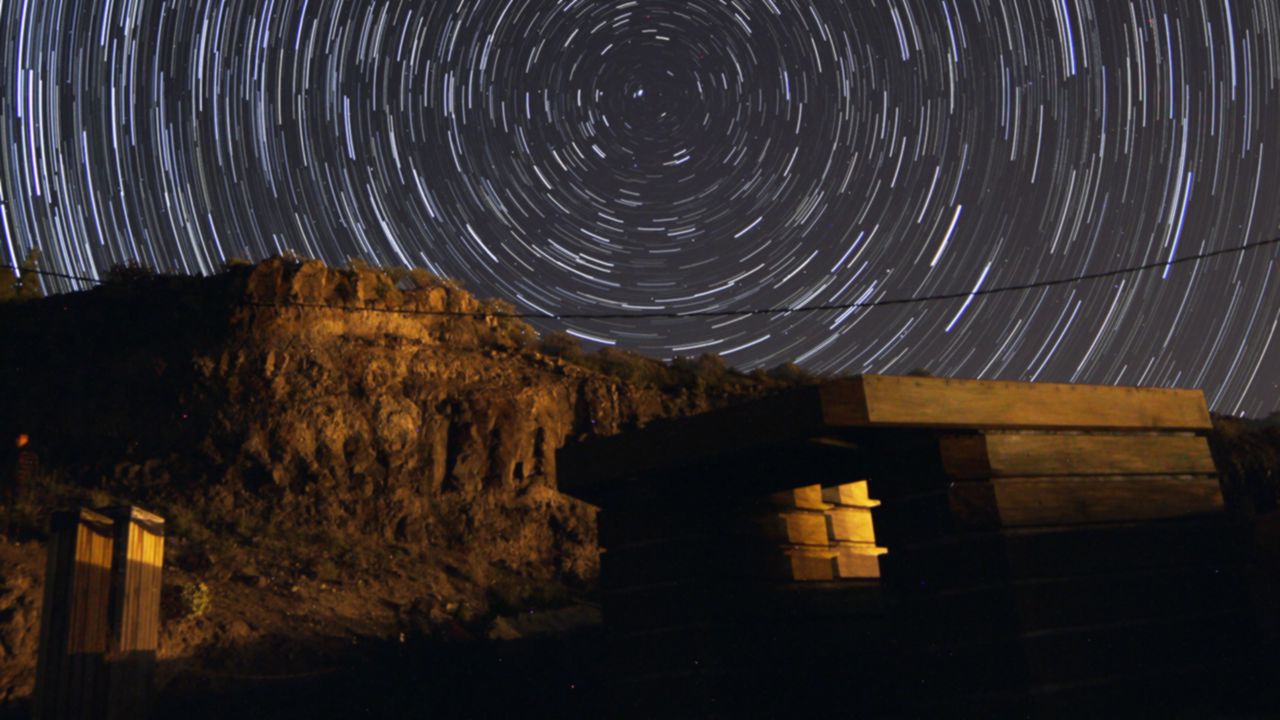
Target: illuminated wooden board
1015 502
1023 454
71 676
908 401
135 609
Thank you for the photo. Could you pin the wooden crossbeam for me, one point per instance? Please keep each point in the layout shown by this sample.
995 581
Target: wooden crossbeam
908 401
990 455
1022 502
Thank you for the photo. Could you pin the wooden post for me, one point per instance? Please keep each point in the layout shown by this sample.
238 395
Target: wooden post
71 680
134 611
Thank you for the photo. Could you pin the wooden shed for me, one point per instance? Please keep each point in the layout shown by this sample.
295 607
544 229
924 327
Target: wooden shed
919 545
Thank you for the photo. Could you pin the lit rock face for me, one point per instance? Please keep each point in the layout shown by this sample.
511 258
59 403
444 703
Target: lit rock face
313 409
254 404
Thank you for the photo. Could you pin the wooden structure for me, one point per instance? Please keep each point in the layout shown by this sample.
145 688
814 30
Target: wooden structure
134 610
71 674
1015 547
99 627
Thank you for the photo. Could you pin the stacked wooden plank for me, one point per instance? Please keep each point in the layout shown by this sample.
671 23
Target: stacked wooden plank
1050 548
822 533
1070 550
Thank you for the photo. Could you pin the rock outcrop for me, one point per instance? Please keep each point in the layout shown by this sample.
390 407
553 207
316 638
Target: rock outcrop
328 409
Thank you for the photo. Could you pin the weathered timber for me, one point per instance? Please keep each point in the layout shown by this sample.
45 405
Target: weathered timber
596 470
797 527
1075 655
852 524
71 673
1020 502
982 558
137 561
858 560
977 614
805 497
854 494
990 455
1036 533
801 563
910 401
1198 688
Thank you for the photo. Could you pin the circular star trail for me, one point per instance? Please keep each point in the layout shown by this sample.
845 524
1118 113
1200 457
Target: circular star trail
688 156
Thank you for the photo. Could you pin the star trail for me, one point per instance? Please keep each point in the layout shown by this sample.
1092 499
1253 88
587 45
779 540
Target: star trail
657 157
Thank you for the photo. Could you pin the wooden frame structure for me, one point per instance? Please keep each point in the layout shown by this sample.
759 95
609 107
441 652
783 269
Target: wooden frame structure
100 623
1019 546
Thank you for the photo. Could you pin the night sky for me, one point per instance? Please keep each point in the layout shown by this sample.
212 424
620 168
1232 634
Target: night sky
583 156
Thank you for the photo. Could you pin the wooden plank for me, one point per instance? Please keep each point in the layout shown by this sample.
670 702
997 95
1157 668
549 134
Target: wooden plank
990 455
71 678
1076 654
850 524
802 564
1020 502
884 400
858 560
853 494
807 497
983 558
978 614
135 611
801 527
1204 687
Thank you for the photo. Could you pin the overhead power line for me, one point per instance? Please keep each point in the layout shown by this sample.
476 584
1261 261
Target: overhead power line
750 311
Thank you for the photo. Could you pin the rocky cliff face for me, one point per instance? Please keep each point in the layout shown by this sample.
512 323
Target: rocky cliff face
255 414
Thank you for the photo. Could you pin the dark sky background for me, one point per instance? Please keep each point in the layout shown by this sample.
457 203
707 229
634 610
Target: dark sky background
693 155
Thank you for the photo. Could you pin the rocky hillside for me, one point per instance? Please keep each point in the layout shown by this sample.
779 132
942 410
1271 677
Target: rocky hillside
340 454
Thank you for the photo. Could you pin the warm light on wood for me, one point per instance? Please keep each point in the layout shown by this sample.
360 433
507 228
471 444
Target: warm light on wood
1023 454
887 400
